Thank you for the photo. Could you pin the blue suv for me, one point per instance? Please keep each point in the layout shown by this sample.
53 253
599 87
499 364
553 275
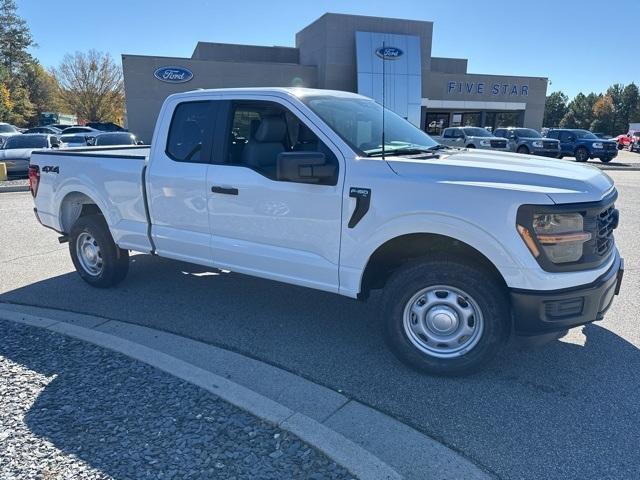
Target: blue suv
583 145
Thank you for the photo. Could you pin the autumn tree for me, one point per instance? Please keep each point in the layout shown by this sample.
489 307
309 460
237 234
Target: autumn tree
91 85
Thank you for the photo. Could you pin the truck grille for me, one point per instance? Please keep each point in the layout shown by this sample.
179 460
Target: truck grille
499 143
546 144
606 222
610 146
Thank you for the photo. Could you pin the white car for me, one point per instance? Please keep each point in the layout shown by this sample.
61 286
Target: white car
295 185
17 149
7 130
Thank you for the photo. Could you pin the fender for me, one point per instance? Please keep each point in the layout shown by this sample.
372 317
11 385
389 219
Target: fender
356 251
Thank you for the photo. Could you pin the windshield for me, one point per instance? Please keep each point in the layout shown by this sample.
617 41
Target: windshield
527 133
7 129
358 122
115 139
73 139
25 141
476 132
584 134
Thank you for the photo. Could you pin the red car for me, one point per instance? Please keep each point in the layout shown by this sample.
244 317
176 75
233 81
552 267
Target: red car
628 139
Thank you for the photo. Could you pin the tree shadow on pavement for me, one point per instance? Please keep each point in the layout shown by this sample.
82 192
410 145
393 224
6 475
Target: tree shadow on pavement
566 410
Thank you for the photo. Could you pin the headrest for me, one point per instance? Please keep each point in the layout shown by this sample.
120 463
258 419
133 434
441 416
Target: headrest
305 135
271 130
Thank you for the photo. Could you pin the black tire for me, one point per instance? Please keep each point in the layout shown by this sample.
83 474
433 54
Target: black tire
581 154
606 159
620 146
480 286
561 156
113 261
471 145
522 149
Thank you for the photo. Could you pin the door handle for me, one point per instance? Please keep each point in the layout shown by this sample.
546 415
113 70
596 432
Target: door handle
225 190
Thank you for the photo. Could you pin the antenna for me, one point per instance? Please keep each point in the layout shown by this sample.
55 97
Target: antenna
383 92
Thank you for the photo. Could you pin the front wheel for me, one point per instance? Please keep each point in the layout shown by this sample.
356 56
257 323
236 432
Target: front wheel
523 150
606 159
97 258
582 154
445 317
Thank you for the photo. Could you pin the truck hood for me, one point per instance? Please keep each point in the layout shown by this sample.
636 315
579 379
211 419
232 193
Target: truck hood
561 180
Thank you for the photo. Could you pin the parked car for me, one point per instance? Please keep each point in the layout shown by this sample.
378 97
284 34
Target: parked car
583 145
625 141
528 141
466 246
60 126
74 140
16 151
471 137
115 138
635 146
106 126
79 129
47 130
6 131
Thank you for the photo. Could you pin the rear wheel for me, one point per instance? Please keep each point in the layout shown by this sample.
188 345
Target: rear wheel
471 145
581 154
523 150
445 317
606 159
97 258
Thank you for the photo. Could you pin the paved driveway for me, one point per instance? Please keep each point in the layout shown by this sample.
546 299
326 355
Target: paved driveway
568 410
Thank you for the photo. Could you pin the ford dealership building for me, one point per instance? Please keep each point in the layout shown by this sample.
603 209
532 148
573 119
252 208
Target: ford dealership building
344 52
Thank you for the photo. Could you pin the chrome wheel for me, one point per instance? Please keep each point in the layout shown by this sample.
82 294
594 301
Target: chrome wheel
89 255
443 321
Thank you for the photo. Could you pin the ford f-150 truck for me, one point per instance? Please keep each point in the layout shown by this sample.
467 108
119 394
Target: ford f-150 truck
297 185
471 137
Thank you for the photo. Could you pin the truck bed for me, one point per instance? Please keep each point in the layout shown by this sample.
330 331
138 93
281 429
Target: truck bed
111 177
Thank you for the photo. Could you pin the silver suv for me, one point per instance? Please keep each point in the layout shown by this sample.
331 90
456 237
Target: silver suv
471 137
529 142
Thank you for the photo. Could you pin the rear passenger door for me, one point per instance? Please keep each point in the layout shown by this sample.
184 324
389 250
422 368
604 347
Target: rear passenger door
260 224
177 181
567 142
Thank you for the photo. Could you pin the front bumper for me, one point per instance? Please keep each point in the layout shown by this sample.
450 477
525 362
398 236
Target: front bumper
540 312
545 152
604 153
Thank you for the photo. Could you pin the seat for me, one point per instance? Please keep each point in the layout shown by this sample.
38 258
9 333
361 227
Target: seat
261 151
307 140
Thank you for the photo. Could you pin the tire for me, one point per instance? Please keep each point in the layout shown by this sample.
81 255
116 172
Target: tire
620 146
97 258
523 150
445 283
561 156
581 154
471 145
606 159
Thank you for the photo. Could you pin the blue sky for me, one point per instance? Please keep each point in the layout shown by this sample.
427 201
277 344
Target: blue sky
577 44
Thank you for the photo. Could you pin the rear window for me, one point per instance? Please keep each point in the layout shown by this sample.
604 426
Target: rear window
115 139
26 141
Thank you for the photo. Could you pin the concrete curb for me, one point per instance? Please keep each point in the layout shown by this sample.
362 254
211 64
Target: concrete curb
368 443
14 188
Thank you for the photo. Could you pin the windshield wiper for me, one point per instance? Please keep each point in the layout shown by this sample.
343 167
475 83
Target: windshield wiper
400 151
439 147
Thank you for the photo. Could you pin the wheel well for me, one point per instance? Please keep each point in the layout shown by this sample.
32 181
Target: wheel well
396 252
74 206
522 147
471 145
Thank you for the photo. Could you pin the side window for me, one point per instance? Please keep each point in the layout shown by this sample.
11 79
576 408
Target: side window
565 136
457 133
553 134
262 131
500 133
448 133
190 132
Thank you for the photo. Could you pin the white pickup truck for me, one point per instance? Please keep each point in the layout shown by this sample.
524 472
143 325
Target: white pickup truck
295 185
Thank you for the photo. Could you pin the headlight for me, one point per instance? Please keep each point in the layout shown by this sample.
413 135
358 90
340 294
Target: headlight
597 145
485 143
560 235
537 144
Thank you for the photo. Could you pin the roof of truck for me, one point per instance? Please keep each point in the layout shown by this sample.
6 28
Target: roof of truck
286 91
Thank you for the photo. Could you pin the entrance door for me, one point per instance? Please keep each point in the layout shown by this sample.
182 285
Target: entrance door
265 226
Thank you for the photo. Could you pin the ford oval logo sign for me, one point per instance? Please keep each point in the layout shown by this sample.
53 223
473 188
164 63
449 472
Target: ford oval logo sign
389 53
173 74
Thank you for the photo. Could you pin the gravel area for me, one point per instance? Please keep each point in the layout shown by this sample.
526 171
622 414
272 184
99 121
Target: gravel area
73 410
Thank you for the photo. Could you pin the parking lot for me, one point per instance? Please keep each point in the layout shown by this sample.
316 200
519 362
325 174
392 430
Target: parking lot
566 410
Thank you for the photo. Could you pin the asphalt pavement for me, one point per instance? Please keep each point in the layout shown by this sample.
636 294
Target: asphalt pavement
566 410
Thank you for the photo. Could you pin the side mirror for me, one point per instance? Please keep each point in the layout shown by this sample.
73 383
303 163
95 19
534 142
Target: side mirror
304 167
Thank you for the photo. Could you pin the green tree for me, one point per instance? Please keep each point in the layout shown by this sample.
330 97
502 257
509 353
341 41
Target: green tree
91 84
580 111
15 38
630 105
43 90
555 108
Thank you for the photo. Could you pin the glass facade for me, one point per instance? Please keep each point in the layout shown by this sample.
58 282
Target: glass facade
435 122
